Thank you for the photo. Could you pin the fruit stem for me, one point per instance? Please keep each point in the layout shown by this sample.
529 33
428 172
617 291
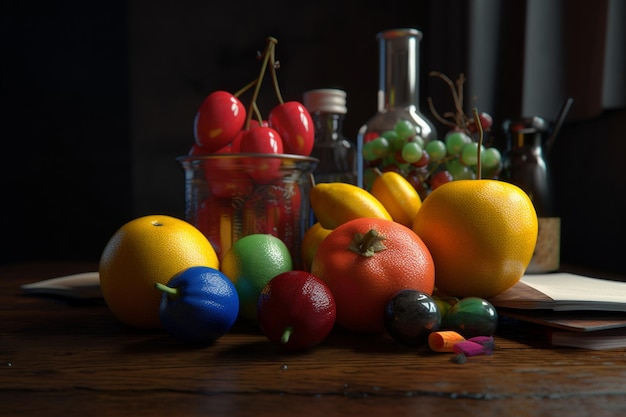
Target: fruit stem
457 96
368 244
273 66
171 292
460 114
286 335
437 116
246 87
266 57
479 125
257 113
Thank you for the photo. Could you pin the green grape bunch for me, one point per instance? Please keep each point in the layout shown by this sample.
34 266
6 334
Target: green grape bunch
429 165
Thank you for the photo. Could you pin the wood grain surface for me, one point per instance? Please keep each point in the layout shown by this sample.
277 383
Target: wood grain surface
75 359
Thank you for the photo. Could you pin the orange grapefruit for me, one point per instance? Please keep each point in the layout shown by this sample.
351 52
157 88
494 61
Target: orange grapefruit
365 262
145 251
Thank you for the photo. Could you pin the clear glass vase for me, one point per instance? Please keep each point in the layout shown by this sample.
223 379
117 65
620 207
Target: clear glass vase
398 102
229 196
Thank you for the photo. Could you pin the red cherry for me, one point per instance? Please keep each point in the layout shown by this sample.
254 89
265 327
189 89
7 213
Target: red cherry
296 310
260 214
235 145
236 184
210 215
220 116
225 178
197 150
288 197
294 124
261 139
274 209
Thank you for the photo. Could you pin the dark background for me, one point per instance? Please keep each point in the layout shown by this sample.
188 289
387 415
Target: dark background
98 100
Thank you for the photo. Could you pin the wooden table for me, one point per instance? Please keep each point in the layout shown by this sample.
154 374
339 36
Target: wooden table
60 359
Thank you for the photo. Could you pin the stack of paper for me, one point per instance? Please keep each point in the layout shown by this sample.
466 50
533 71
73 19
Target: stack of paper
580 311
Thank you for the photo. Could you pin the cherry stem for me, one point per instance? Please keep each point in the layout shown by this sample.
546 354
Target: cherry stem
257 113
172 292
273 65
368 244
284 339
271 42
479 126
246 87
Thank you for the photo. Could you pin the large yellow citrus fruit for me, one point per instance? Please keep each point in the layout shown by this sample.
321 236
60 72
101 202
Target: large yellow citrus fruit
398 196
481 235
145 251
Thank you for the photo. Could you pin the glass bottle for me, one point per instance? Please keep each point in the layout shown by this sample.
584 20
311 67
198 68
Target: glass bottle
398 96
337 155
526 167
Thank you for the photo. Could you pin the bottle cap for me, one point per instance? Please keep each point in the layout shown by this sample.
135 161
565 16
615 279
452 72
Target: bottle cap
526 137
328 100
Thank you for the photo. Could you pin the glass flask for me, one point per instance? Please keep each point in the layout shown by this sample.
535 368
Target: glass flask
398 105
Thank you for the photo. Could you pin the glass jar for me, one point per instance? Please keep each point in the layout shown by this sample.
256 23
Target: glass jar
398 104
229 196
336 154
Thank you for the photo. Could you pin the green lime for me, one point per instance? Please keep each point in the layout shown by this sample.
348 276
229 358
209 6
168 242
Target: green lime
250 264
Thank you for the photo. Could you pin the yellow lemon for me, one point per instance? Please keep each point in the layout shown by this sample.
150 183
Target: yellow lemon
481 234
145 251
398 196
310 242
335 203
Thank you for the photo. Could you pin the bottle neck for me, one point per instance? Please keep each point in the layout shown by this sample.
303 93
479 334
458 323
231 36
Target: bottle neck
328 126
398 72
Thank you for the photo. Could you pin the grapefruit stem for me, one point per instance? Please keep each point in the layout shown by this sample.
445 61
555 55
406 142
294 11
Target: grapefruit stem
368 244
286 335
172 292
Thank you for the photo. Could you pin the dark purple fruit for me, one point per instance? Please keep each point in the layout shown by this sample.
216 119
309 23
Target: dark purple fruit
296 310
410 316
